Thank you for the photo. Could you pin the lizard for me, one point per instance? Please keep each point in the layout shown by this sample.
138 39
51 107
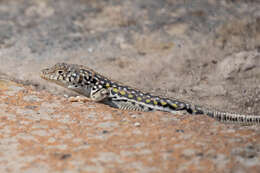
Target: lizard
97 87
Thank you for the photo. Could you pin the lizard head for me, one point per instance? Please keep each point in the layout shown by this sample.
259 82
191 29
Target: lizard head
75 77
62 74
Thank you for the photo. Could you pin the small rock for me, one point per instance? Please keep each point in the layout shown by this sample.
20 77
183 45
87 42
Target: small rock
137 124
90 50
133 116
104 131
180 130
31 98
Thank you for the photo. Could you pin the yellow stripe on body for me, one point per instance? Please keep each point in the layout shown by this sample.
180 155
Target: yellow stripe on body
107 85
163 102
122 92
174 105
115 90
147 100
130 96
139 98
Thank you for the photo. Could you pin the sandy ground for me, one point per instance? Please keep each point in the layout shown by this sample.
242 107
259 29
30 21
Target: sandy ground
41 132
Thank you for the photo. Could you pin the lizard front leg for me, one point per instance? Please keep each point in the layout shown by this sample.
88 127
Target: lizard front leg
99 95
90 93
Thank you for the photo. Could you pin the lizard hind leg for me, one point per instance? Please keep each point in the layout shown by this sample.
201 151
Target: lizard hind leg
126 105
99 95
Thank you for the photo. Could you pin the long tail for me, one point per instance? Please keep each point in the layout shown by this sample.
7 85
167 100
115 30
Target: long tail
226 117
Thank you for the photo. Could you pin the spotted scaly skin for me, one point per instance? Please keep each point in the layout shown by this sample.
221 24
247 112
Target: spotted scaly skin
97 87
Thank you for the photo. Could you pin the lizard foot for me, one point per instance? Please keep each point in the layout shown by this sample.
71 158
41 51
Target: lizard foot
79 99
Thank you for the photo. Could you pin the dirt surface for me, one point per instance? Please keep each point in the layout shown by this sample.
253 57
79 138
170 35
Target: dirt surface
206 52
41 132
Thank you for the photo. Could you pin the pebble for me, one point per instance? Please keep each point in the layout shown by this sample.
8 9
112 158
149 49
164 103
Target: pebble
90 50
133 116
137 124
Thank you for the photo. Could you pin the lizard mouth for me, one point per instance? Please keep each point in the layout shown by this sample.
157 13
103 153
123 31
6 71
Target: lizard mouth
48 76
42 75
45 75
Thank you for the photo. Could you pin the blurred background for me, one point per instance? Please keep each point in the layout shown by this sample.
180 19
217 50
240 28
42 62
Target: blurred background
204 51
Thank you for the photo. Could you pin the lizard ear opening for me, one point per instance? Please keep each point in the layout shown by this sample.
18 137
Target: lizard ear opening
60 71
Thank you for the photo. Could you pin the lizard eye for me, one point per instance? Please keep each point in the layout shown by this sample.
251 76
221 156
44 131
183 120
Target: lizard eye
60 71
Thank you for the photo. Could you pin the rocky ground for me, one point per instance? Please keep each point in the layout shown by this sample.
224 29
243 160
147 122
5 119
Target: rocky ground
206 52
